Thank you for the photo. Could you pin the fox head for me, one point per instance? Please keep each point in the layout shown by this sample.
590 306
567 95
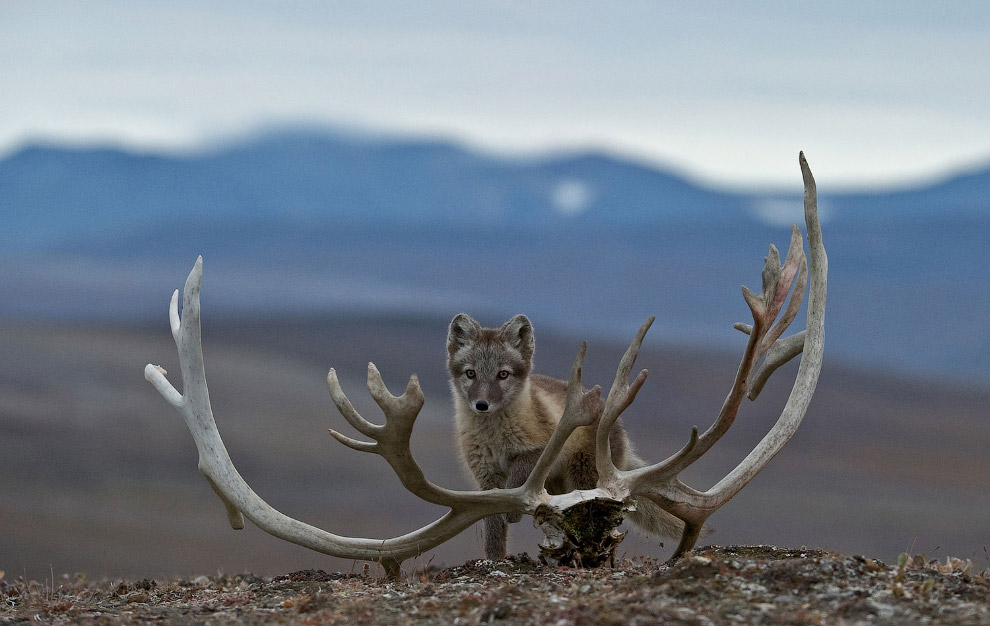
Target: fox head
489 366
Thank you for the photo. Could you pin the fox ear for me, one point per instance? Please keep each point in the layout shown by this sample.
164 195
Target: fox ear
463 330
518 333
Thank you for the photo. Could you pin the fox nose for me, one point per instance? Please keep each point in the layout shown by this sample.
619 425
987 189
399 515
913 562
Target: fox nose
481 406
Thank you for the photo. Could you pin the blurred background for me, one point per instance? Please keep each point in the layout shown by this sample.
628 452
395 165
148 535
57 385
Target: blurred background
355 174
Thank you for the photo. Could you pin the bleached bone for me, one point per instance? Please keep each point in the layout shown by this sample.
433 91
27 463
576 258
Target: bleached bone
658 482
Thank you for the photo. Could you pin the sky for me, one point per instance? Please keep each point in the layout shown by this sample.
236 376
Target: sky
875 93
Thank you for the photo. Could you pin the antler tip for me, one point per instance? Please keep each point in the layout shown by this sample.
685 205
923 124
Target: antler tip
353 444
641 333
754 301
639 380
578 363
413 387
150 371
155 374
194 280
174 321
373 374
809 179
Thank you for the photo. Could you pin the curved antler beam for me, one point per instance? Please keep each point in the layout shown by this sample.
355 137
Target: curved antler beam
811 361
391 441
660 482
238 497
696 506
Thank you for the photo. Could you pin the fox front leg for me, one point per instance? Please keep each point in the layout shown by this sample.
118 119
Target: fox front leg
496 528
520 467
496 537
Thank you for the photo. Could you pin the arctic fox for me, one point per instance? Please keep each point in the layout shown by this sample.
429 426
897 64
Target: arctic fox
504 415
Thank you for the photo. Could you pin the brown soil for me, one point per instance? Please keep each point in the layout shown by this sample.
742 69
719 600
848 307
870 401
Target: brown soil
716 585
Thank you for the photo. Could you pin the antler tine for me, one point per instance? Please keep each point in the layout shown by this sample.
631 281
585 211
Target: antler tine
392 438
402 407
574 391
354 444
400 414
467 507
756 305
577 412
771 277
793 266
782 351
620 396
683 452
347 409
624 370
155 375
744 328
786 272
173 315
777 351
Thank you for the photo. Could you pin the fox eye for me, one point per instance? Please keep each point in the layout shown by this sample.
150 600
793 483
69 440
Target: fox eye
469 373
503 374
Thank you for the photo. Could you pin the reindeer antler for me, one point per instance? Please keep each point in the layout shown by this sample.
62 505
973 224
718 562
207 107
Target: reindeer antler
391 442
658 482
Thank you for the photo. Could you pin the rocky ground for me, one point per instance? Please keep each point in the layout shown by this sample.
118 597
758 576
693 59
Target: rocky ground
717 585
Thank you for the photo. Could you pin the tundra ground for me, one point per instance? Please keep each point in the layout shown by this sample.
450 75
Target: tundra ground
715 585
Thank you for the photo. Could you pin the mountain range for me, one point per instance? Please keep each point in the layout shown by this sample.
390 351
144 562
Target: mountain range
306 220
53 195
